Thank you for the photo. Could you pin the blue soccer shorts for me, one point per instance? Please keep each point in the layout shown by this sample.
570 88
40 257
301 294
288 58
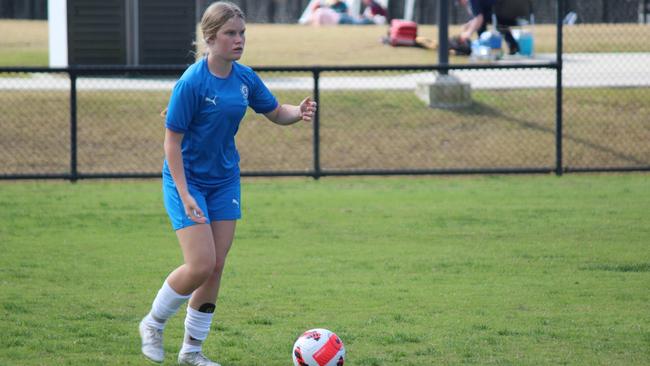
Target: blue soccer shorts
217 204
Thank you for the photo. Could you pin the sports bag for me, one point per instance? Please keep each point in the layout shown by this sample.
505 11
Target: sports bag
402 32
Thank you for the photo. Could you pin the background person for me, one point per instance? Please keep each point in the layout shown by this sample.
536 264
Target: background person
328 13
335 12
481 12
374 13
201 181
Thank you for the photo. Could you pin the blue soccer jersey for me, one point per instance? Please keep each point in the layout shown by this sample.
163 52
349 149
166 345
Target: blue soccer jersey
208 109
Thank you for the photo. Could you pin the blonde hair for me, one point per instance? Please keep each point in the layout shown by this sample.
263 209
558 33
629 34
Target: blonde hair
216 15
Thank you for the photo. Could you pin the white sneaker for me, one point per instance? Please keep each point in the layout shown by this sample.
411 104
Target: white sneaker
152 342
195 359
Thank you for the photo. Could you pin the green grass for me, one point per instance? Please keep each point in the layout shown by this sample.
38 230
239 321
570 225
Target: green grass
512 270
23 43
26 58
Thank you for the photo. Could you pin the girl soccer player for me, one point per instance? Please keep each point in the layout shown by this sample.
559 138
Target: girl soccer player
201 183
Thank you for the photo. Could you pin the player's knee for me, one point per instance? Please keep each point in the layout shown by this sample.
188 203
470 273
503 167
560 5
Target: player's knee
203 270
219 265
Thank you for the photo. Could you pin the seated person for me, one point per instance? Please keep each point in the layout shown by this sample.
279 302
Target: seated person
481 11
374 13
335 12
339 6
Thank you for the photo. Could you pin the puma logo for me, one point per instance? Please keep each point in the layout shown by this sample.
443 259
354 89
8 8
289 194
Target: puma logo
213 100
235 202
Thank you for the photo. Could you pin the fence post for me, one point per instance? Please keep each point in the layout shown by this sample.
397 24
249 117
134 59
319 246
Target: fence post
558 92
443 35
73 126
316 123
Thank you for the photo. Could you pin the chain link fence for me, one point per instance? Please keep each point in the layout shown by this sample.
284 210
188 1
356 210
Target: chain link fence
35 124
369 121
98 122
607 85
390 128
107 126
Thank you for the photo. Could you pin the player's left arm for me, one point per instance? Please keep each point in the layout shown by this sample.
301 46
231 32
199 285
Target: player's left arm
286 114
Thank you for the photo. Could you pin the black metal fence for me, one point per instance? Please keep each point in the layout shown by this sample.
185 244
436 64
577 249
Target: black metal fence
98 122
585 111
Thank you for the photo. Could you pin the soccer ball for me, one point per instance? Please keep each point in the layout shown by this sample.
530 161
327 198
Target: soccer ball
318 347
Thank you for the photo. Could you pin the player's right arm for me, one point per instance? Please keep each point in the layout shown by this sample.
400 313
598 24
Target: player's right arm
172 146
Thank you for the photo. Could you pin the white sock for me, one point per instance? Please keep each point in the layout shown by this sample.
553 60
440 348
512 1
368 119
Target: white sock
164 306
197 327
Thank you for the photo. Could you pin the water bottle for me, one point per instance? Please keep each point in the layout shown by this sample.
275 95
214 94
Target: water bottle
526 43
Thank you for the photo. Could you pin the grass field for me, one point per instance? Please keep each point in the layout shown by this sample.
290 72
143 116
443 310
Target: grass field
25 43
408 271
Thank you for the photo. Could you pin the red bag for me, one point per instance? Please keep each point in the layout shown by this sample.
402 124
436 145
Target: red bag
402 32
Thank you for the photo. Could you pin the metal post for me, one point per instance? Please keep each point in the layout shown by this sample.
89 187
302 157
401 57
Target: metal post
73 127
443 35
316 122
408 9
558 92
136 32
132 20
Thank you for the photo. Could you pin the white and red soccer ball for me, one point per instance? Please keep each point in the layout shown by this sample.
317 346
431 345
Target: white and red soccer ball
318 347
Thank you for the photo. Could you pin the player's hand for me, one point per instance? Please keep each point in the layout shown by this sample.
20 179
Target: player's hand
193 211
307 109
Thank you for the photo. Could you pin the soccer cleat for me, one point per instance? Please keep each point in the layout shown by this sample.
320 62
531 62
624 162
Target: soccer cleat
195 359
152 342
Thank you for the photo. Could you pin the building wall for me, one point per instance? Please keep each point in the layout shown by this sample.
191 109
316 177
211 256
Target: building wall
23 9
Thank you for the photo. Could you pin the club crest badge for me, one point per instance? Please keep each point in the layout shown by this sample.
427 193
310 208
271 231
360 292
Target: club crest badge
244 91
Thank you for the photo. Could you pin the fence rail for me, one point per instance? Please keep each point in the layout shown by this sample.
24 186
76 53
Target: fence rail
391 132
138 74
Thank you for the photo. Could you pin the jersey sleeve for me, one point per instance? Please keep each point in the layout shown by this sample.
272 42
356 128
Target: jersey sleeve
182 106
261 99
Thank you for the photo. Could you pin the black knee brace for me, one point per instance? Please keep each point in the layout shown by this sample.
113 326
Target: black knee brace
207 308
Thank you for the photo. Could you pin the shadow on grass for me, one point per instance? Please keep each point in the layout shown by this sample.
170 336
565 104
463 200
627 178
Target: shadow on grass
478 109
631 267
